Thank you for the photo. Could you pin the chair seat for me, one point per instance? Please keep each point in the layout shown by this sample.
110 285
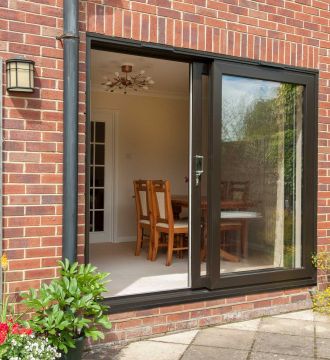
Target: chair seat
142 221
182 223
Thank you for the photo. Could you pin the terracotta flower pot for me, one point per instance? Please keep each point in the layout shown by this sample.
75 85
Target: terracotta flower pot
77 352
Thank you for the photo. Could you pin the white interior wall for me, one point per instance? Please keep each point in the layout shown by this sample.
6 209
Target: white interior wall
152 143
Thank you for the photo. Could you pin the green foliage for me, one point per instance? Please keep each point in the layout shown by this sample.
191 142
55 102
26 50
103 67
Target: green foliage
321 299
70 306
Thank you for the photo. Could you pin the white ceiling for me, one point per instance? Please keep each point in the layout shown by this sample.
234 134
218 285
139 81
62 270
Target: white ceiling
171 77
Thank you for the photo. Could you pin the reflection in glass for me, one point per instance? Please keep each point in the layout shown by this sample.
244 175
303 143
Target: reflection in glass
261 167
100 132
99 154
99 176
99 199
99 221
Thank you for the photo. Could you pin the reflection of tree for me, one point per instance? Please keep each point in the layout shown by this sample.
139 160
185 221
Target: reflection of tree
264 135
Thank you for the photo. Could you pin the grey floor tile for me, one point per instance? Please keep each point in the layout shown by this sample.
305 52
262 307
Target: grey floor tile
213 353
226 338
265 356
284 344
323 348
287 326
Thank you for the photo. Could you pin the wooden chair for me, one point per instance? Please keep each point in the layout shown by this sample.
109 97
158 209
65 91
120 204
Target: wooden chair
165 222
144 214
239 190
224 189
226 246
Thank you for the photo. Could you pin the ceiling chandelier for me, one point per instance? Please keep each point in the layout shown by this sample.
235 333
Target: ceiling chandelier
127 81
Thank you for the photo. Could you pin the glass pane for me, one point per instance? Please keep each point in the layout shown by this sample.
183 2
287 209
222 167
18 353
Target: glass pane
99 154
92 154
92 130
91 199
91 176
99 221
99 199
99 176
261 168
100 132
91 221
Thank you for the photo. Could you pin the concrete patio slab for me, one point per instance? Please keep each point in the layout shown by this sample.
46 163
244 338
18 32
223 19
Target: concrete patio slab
298 315
284 344
185 337
211 353
322 329
267 356
144 350
287 326
225 338
323 348
281 337
251 325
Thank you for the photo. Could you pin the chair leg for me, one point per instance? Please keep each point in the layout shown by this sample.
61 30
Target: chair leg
155 245
139 236
170 245
151 244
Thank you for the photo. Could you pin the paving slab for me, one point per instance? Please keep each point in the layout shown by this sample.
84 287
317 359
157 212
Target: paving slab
267 356
323 348
211 353
225 338
149 350
251 325
322 318
284 344
287 326
322 329
298 315
185 337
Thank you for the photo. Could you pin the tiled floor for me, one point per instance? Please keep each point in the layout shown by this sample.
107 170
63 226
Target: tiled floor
294 336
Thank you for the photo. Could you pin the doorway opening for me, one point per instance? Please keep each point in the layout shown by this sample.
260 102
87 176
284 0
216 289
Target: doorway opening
139 119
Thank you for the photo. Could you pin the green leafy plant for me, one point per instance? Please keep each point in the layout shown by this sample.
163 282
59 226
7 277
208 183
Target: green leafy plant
321 299
70 307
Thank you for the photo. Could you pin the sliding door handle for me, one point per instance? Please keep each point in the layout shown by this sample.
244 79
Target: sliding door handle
199 168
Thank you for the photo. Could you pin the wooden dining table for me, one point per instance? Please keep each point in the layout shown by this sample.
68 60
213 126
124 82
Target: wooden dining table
231 210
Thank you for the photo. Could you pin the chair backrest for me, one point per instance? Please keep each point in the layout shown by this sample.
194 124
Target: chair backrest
143 202
239 190
224 188
161 197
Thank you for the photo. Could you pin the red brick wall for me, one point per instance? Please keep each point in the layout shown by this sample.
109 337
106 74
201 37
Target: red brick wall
292 32
33 146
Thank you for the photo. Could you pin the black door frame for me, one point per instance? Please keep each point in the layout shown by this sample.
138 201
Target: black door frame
237 284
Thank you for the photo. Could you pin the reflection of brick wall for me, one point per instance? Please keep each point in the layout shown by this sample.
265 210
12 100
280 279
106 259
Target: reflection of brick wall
282 31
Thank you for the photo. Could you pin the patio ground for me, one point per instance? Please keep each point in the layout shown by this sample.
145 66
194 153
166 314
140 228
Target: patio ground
299 335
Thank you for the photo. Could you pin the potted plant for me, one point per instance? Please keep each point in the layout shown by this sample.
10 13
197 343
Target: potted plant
70 309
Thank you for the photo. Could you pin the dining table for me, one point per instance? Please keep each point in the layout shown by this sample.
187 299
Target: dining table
231 210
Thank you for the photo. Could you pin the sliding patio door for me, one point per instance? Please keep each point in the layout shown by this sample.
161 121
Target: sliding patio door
248 185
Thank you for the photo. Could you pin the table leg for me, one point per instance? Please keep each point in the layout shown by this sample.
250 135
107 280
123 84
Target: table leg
244 244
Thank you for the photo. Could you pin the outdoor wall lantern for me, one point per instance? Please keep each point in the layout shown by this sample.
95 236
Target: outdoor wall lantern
20 75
